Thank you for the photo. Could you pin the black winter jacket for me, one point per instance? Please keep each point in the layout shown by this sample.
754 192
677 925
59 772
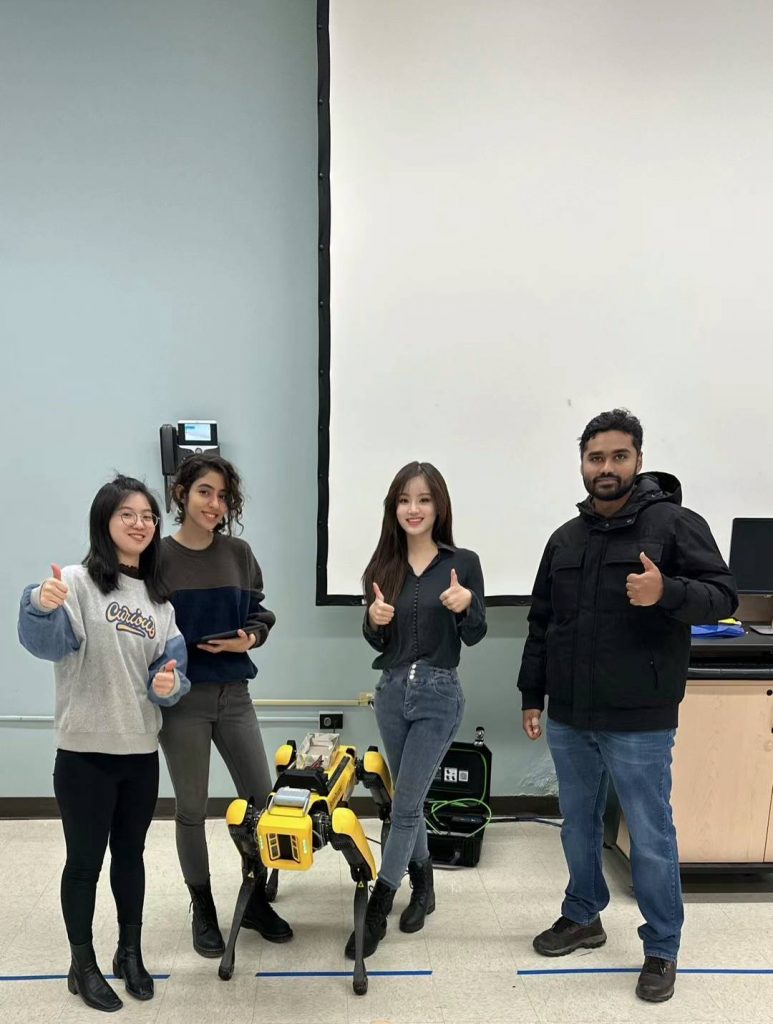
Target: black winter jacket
604 663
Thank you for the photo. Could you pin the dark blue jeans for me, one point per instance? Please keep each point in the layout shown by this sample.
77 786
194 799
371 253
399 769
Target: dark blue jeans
418 710
639 764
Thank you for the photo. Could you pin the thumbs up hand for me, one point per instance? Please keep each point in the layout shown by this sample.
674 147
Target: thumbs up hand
456 599
53 590
164 681
380 613
645 588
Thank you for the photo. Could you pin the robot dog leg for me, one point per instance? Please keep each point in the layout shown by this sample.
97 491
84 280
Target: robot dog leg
346 835
242 818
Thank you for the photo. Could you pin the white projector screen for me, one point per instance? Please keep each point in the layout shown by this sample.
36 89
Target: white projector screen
538 211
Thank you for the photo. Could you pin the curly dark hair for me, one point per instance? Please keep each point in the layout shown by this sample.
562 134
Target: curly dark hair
616 419
197 466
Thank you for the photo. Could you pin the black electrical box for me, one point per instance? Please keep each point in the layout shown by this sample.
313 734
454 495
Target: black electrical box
455 830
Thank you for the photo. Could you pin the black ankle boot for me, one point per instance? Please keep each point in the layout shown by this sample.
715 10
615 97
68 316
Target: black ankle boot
422 897
87 981
261 917
207 940
127 962
379 905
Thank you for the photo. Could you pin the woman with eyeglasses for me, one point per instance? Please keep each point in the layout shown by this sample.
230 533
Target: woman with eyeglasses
216 587
118 656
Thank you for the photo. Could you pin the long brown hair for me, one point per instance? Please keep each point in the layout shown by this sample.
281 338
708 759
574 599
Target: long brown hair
389 562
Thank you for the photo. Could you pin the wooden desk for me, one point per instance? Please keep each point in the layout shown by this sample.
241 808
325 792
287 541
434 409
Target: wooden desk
723 774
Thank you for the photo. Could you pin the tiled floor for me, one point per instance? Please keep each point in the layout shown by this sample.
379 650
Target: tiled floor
470 964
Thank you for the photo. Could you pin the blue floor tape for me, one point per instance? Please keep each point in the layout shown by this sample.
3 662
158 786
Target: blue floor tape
63 977
535 972
340 974
260 974
636 970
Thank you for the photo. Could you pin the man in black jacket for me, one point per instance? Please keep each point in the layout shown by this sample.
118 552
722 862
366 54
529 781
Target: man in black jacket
609 643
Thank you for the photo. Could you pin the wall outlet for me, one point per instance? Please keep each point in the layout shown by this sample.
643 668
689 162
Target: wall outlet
331 721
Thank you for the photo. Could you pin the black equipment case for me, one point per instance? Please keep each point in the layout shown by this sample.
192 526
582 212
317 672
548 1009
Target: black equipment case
455 833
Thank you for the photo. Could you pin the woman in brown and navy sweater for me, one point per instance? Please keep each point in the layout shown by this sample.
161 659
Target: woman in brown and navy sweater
216 587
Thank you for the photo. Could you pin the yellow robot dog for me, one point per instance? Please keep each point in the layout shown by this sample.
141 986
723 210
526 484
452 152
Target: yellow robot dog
306 810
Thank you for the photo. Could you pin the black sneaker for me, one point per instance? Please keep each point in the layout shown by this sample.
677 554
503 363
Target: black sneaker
565 936
657 978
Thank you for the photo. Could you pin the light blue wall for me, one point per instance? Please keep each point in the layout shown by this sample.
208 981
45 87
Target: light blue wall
157 260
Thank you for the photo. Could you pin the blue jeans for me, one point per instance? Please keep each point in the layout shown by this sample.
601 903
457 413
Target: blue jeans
418 710
639 764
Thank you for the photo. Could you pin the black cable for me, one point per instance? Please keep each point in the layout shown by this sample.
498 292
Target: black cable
520 819
526 819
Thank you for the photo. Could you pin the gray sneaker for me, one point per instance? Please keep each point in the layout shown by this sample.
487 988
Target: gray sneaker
565 936
657 979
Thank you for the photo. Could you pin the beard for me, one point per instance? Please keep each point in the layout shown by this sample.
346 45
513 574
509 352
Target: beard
609 487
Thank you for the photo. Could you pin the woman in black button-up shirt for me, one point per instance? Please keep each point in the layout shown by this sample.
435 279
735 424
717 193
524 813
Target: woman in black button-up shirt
425 596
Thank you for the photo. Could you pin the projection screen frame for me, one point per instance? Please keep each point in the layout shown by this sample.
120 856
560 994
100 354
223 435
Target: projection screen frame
323 276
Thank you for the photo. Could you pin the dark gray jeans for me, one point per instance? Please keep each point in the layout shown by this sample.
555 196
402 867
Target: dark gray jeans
418 711
222 714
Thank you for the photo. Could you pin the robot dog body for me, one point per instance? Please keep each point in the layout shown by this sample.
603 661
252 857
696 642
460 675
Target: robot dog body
306 810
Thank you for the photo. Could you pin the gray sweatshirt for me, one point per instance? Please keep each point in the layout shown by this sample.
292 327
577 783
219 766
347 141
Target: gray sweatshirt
106 650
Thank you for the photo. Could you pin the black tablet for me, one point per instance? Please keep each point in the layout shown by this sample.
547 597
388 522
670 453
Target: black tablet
229 634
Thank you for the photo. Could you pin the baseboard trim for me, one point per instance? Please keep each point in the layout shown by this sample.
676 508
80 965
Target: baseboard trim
504 806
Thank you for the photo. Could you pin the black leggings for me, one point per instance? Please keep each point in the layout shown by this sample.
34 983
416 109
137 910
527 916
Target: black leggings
101 797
